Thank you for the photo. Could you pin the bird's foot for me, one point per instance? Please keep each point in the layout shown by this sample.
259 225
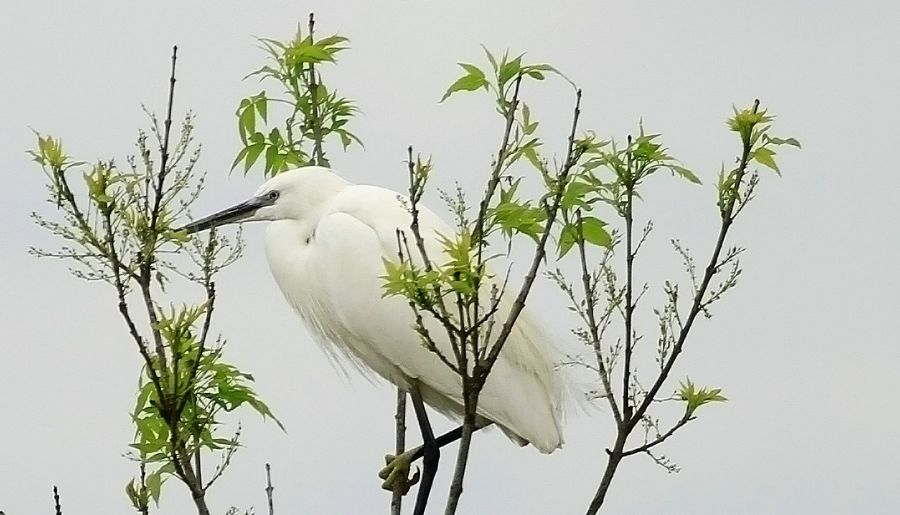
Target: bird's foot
396 473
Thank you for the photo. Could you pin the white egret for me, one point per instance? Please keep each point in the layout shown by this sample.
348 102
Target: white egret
325 246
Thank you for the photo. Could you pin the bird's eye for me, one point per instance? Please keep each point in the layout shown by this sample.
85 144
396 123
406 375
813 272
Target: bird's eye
272 195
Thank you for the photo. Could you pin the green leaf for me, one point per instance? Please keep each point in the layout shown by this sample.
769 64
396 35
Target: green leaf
142 398
537 71
275 137
472 81
133 495
686 173
253 152
332 40
782 141
262 105
271 155
766 156
309 53
490 57
240 157
594 232
510 69
154 486
263 409
574 195
472 69
567 239
531 153
247 119
695 397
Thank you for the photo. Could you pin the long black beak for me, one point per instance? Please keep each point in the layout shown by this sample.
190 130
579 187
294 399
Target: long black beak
230 215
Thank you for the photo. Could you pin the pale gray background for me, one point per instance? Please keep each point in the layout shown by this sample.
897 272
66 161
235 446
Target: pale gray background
806 348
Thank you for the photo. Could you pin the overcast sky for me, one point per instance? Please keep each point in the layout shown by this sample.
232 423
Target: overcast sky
805 349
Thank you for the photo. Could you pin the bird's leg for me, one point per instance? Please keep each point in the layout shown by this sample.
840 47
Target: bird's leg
431 452
397 467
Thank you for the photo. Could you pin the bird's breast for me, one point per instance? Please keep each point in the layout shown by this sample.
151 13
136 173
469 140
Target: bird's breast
334 283
288 244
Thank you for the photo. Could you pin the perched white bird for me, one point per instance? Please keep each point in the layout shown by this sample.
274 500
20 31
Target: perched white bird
326 244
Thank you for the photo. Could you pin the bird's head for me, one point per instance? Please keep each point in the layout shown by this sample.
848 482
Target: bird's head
290 195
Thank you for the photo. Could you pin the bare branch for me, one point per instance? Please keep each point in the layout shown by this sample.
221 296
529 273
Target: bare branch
629 283
269 489
660 439
593 327
572 156
318 153
232 447
399 448
727 220
56 505
494 180
482 368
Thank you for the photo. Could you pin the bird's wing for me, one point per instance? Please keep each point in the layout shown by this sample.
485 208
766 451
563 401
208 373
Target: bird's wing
351 241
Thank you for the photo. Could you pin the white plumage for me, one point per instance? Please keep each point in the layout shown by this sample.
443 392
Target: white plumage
326 246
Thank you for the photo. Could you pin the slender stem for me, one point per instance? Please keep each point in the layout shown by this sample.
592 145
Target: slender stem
170 406
269 489
494 179
199 497
439 310
590 300
198 466
462 457
63 188
56 505
318 153
210 287
481 369
164 149
711 268
123 304
624 429
145 506
552 208
147 296
612 464
399 448
629 292
660 439
147 258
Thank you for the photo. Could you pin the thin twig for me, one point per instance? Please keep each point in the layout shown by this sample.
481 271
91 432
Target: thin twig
593 327
727 220
482 369
181 461
494 179
618 451
56 505
399 448
421 328
660 439
269 489
629 284
572 156
490 189
164 148
210 287
145 504
146 267
313 92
